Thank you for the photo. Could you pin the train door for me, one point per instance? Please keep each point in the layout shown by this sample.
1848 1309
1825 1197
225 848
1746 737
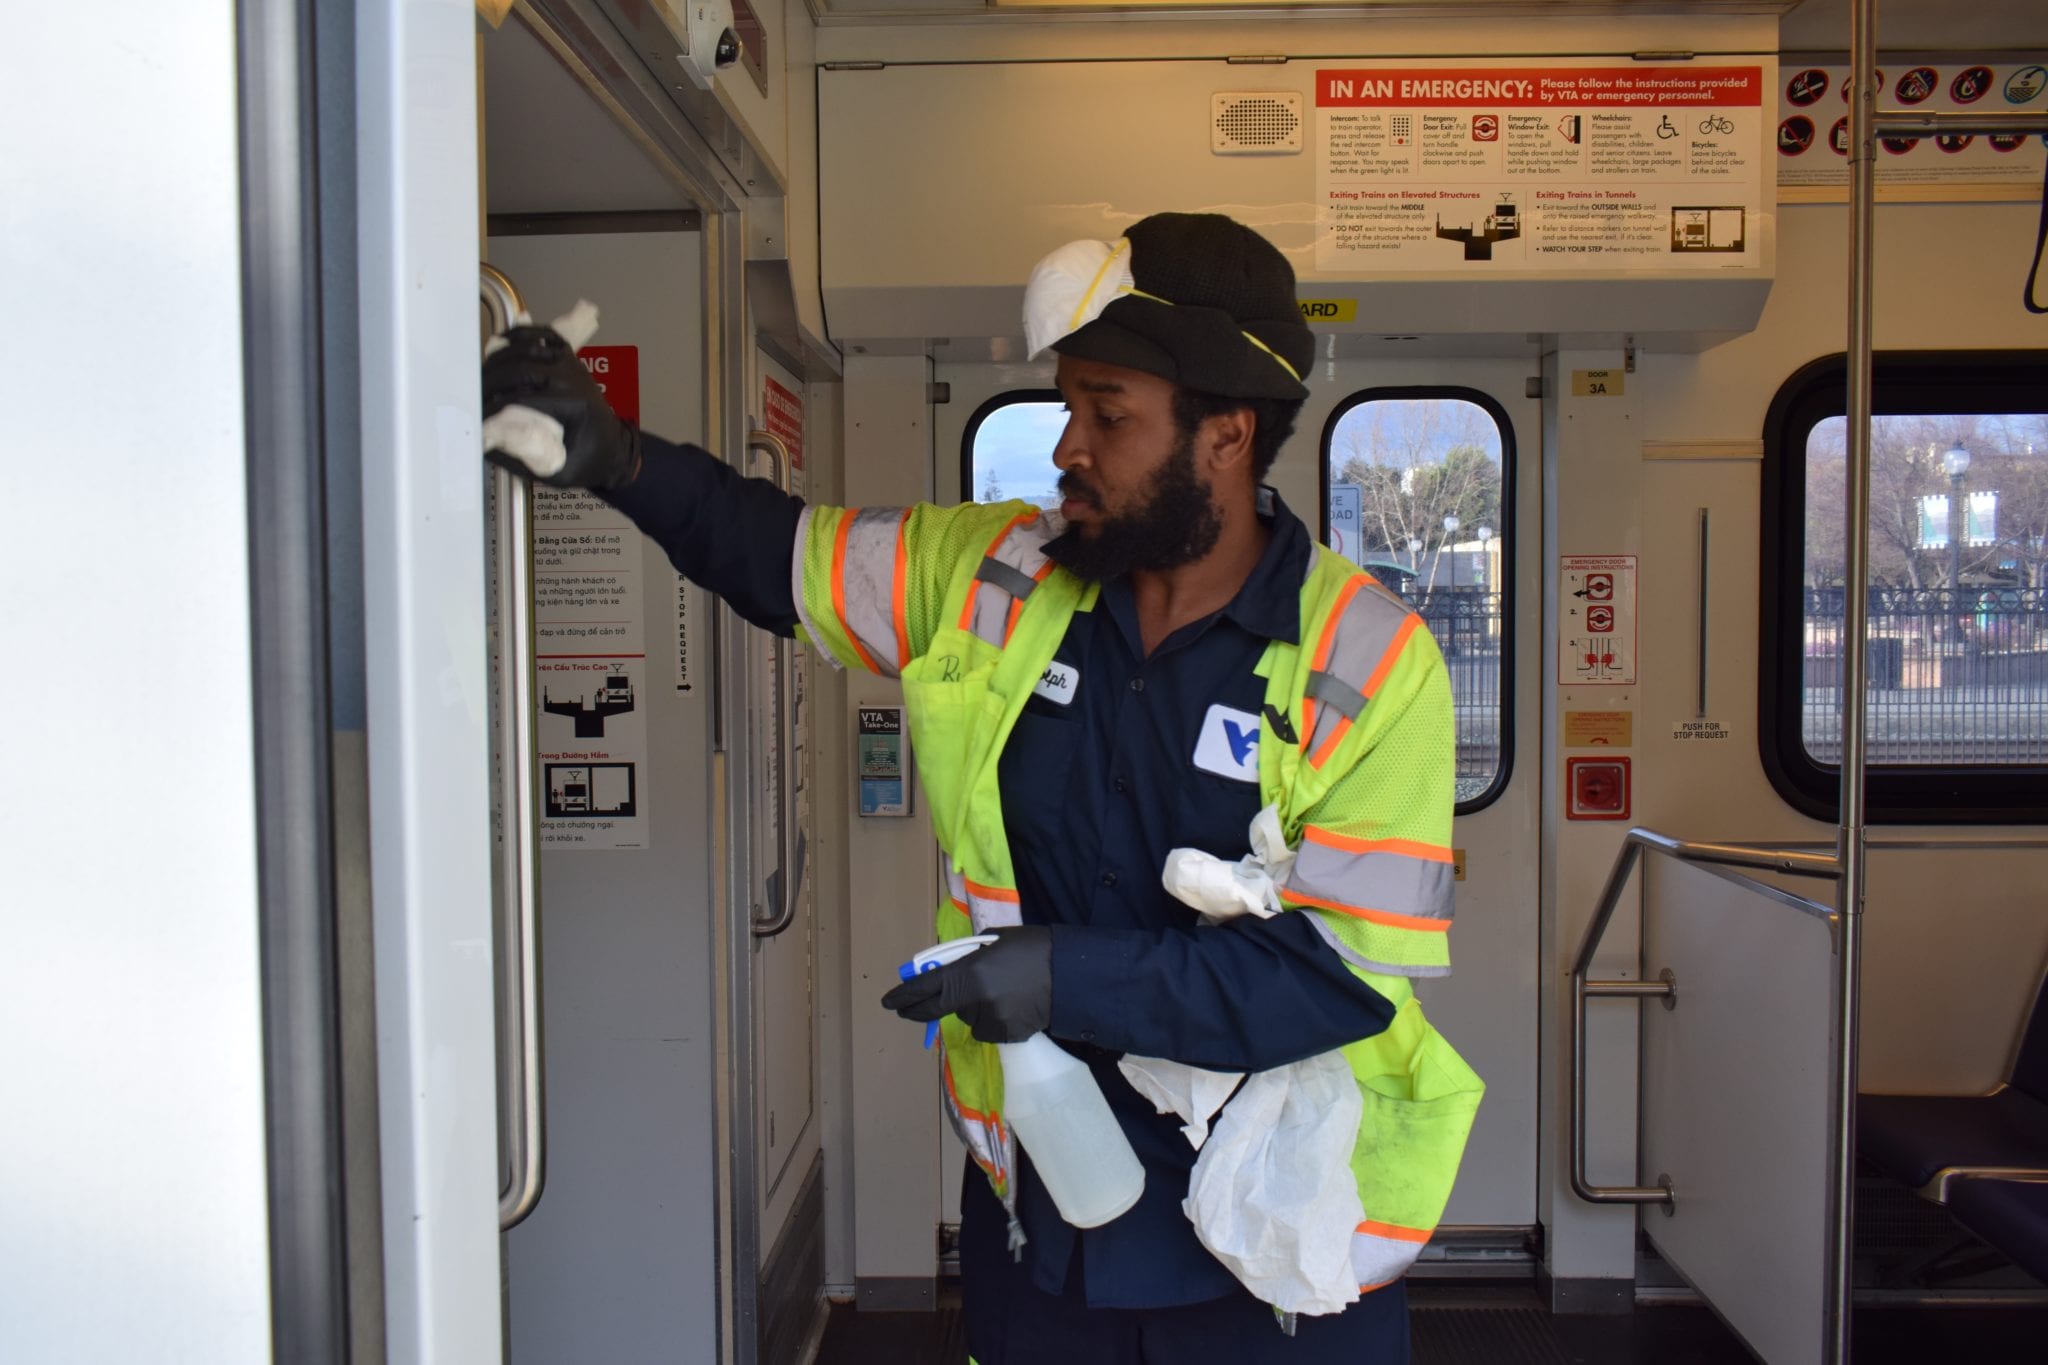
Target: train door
788 1156
676 937
1432 483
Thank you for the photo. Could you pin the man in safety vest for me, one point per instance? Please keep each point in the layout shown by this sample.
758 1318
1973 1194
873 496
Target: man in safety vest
1144 670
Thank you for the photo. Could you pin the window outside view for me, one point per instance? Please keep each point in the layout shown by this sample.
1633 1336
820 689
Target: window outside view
1416 490
1013 453
1958 567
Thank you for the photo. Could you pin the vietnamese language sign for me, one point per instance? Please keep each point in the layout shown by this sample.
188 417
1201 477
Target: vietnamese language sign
592 670
1567 166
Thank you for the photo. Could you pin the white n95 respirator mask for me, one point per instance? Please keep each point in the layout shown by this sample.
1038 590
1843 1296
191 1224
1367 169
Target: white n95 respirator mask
1070 288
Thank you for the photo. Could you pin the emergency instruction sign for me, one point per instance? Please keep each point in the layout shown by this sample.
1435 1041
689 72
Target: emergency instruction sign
1596 617
1564 166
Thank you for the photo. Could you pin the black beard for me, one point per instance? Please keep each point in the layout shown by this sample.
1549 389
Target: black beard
1176 524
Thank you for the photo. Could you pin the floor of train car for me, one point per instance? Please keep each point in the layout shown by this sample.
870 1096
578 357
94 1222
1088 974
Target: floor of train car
1460 1325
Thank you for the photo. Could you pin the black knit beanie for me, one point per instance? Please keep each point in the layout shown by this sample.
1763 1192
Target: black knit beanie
1214 311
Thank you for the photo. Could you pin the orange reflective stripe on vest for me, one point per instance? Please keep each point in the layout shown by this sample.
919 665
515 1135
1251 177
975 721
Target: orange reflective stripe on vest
1382 1252
1361 639
1397 882
986 907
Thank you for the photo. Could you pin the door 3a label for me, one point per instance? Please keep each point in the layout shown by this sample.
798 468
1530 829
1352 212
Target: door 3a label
1596 644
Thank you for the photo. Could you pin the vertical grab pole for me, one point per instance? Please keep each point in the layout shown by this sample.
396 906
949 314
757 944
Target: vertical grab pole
1706 566
782 913
1849 846
518 747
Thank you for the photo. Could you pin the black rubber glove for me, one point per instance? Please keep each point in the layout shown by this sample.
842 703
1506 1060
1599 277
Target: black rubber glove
1002 990
537 369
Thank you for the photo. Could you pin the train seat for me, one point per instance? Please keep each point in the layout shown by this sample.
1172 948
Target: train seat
2011 1216
1927 1141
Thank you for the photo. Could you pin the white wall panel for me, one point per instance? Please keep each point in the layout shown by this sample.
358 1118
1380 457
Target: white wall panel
130 1030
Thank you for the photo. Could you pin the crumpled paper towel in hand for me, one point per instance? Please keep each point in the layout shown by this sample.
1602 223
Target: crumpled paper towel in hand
1271 1195
1189 1092
1249 886
534 438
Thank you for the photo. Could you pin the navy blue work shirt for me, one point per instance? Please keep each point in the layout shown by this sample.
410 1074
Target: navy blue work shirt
1143 755
1118 759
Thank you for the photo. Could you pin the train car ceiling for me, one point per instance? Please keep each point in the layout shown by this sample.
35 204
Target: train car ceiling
932 224
550 146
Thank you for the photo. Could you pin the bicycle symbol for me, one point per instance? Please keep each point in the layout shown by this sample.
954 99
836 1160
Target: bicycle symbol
1715 123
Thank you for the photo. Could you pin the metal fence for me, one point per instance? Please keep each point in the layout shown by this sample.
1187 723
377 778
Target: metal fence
1957 676
1467 626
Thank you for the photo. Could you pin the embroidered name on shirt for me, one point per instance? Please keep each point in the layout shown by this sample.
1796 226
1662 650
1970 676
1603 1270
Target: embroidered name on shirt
1057 683
1229 744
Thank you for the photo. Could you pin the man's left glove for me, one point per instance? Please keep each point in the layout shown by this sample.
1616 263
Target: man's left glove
574 440
1002 991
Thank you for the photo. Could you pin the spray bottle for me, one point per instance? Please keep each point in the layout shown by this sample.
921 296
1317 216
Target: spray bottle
1053 1104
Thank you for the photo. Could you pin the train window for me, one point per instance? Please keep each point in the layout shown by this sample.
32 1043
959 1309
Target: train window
1958 614
1007 451
1416 486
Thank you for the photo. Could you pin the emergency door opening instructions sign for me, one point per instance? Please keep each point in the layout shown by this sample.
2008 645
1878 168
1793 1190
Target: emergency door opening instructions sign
1563 166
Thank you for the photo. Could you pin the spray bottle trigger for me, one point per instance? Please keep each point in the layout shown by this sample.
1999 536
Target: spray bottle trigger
931 959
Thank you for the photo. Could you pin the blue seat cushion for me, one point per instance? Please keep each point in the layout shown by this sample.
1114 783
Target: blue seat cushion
2012 1215
1910 1137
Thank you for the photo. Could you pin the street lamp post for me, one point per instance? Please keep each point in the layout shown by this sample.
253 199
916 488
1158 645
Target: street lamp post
1415 564
1956 461
1486 584
1450 539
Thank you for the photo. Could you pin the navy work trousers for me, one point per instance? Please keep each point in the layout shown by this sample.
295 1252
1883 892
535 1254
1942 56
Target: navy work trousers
1010 1321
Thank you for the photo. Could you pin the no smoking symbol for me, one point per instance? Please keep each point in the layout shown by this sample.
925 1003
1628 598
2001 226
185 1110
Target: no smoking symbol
1600 620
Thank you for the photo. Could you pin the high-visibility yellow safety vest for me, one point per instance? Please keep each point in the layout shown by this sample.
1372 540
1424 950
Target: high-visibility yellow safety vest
962 604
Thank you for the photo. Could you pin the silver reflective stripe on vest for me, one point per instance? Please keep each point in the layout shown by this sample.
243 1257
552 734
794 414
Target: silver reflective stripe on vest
1006 577
1367 964
1370 625
867 584
1378 1259
983 1135
1393 882
986 908
1330 690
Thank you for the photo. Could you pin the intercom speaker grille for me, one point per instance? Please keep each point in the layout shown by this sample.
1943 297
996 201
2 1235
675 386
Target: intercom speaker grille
1254 123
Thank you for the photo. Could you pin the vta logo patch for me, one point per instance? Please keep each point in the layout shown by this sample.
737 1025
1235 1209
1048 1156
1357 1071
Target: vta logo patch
1229 744
1243 743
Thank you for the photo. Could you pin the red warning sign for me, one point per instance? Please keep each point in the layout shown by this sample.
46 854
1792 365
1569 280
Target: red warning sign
1600 620
1917 84
617 372
1970 86
784 415
1599 587
1795 135
1505 87
1806 87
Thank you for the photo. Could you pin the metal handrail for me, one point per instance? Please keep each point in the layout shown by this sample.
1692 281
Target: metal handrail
1907 123
519 790
782 914
1725 855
